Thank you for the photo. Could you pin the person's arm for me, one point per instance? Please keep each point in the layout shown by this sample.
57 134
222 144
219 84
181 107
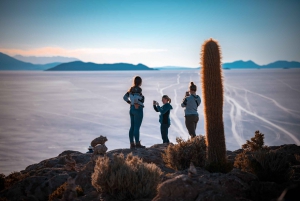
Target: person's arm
126 98
155 108
198 101
142 99
164 109
184 102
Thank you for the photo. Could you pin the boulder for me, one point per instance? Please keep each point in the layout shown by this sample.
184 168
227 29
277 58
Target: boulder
98 140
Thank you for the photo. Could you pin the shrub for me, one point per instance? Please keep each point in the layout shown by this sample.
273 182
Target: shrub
256 143
126 179
59 192
242 162
270 166
180 155
265 164
13 178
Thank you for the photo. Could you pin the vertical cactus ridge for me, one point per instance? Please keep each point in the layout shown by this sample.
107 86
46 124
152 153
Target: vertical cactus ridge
212 93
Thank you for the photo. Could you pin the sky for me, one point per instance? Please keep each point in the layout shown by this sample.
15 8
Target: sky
152 32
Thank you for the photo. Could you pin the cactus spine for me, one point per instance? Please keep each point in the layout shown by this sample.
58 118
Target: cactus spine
212 93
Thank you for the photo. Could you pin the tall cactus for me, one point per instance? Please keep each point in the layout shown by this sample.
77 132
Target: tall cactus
212 93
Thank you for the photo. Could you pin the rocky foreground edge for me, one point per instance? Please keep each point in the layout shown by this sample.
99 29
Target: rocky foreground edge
45 177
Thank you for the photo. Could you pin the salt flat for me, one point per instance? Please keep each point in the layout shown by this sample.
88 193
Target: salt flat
45 113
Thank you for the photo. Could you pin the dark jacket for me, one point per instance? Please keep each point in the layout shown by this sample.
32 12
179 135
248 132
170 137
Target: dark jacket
164 117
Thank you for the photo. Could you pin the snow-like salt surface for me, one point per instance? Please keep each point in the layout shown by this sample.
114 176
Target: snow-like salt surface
45 113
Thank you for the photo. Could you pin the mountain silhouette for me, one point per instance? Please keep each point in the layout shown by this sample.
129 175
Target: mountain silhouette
241 64
45 60
283 64
10 63
82 66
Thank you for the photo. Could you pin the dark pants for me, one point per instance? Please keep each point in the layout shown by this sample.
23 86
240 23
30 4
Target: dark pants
164 132
136 118
191 124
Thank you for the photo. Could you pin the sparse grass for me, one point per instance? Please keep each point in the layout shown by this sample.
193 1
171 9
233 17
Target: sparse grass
180 155
126 179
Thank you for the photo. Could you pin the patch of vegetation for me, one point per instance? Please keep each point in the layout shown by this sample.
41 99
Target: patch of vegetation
126 178
59 192
267 165
13 178
180 155
256 143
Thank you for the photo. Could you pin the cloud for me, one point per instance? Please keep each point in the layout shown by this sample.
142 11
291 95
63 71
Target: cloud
81 52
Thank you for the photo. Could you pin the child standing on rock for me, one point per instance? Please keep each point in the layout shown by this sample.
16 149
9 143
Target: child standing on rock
164 117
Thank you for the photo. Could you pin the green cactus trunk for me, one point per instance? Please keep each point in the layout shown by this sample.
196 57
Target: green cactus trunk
212 93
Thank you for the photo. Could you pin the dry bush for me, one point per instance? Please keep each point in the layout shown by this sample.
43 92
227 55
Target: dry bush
180 155
126 179
59 192
270 166
242 162
265 164
13 178
256 143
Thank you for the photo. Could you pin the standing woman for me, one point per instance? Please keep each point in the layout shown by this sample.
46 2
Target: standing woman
135 98
190 102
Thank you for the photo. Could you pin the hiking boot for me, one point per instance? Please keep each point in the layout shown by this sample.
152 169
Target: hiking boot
132 145
138 145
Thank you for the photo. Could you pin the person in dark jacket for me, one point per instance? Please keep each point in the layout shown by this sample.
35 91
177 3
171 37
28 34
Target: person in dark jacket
164 117
135 98
190 103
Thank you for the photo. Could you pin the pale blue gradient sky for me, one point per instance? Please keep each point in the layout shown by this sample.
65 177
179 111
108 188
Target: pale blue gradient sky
155 33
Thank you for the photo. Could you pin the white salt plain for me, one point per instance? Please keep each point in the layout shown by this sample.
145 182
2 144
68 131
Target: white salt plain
45 113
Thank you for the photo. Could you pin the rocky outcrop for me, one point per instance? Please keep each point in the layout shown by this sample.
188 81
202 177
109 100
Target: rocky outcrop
193 183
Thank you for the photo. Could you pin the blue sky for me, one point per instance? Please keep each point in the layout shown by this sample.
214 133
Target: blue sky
155 33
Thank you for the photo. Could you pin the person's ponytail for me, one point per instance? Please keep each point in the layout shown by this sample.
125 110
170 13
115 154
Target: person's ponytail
167 97
193 87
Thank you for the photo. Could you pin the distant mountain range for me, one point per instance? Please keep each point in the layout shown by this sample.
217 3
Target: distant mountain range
250 64
81 66
10 63
45 60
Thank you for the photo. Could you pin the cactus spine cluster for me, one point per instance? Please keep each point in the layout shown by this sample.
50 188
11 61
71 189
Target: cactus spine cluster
212 93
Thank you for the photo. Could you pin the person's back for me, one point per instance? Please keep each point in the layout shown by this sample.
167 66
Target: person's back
135 96
190 104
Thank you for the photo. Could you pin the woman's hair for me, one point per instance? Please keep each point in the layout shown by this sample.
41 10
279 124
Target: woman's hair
193 87
167 97
136 82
